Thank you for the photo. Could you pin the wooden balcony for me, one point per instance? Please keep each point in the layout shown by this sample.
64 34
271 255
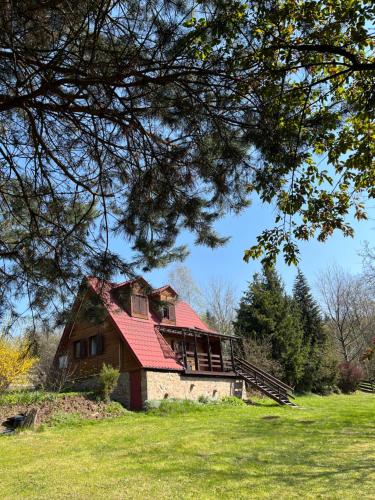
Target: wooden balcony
207 362
200 352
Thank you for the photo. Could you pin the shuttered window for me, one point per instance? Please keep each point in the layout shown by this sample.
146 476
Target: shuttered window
169 312
139 305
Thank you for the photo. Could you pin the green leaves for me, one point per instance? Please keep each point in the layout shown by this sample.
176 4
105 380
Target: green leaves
308 69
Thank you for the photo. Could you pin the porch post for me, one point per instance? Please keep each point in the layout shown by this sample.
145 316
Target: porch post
221 355
184 352
209 354
231 352
196 353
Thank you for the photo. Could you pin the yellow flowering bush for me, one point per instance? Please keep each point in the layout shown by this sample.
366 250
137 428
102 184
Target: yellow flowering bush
15 362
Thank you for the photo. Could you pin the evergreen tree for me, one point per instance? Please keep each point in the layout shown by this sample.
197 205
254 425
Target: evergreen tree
266 313
310 313
320 367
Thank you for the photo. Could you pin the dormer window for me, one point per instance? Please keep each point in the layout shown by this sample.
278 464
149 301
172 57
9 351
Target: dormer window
139 306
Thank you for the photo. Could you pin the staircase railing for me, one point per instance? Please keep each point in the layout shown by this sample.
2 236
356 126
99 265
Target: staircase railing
263 376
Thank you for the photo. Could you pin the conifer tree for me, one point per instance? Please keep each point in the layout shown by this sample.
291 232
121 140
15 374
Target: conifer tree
310 314
267 313
319 369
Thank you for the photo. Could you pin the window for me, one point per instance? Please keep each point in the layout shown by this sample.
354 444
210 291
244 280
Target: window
63 361
139 305
96 345
168 312
80 349
93 345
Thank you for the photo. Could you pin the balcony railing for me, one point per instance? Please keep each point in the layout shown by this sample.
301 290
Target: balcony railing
206 362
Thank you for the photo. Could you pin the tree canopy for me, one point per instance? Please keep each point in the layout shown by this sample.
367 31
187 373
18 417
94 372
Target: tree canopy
308 75
138 119
110 128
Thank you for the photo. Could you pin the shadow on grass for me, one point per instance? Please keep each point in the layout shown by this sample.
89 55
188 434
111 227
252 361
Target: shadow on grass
289 456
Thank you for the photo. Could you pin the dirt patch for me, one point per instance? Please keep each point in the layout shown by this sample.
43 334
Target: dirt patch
82 405
306 422
270 417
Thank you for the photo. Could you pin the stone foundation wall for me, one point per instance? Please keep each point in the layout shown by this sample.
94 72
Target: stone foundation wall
121 392
172 385
161 385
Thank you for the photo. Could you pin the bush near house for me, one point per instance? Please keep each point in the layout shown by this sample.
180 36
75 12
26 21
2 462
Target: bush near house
108 378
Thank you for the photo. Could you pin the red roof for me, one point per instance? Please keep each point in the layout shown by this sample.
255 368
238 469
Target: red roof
146 343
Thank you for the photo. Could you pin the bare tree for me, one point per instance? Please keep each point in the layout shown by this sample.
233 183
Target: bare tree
182 281
221 303
368 256
350 310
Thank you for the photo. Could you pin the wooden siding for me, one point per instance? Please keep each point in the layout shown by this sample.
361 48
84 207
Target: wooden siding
115 352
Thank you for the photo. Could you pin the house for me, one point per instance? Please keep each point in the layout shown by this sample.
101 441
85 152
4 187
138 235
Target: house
159 344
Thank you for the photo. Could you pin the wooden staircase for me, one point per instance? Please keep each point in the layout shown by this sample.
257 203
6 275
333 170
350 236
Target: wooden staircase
264 382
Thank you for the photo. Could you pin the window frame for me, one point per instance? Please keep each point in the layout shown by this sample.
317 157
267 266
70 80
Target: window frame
91 343
82 349
99 344
171 312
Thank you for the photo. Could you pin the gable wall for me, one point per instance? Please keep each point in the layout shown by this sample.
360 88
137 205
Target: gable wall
115 353
92 365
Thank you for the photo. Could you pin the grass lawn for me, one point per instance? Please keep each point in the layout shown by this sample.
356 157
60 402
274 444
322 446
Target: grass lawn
324 450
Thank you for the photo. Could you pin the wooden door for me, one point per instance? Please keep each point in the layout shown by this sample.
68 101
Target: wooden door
135 390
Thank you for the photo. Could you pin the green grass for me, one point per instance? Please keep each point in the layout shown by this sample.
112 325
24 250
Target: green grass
324 450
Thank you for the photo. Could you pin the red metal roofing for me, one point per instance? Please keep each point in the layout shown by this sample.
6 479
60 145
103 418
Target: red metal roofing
148 346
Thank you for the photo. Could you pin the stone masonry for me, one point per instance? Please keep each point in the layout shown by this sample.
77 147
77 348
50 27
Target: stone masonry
163 385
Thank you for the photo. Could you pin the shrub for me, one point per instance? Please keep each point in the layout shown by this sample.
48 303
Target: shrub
232 401
351 374
108 378
15 363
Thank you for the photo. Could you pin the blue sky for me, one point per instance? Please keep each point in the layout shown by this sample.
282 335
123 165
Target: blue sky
227 262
